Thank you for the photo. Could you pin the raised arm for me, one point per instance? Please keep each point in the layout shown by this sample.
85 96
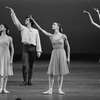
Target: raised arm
97 10
90 17
15 19
45 32
12 50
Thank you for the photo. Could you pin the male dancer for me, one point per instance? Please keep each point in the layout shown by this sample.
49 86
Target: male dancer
31 46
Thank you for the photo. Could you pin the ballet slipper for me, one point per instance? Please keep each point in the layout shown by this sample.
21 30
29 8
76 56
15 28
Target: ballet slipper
5 91
61 92
47 92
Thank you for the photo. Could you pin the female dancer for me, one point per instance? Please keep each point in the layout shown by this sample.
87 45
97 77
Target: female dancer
58 63
6 57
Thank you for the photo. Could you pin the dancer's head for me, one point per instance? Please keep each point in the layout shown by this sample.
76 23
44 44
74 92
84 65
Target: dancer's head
29 21
4 28
57 26
18 99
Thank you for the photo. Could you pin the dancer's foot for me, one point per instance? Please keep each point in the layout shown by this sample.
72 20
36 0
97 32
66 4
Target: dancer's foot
29 83
47 92
61 92
23 83
5 91
0 90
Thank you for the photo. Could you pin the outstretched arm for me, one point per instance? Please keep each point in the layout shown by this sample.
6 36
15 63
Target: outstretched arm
97 10
15 19
45 32
90 17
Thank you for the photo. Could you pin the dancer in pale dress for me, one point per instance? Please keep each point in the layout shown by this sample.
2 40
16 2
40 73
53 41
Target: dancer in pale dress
6 57
59 62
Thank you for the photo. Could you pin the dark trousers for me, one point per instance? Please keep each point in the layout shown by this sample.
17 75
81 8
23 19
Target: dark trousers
28 58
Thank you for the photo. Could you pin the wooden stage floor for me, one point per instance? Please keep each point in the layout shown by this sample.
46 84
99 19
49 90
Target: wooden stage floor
81 84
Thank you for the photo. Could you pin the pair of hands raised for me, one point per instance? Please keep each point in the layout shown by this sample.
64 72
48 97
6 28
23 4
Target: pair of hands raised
96 9
84 11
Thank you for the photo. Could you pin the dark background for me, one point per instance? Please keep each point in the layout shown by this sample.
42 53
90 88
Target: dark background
84 38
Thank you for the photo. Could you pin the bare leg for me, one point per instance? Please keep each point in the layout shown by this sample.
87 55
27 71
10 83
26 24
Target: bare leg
5 84
51 82
1 87
60 82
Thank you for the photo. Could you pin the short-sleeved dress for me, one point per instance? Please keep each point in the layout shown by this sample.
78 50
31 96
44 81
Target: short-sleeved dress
5 66
58 62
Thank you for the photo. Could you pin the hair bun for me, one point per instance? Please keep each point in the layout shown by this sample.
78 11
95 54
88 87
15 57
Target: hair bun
8 31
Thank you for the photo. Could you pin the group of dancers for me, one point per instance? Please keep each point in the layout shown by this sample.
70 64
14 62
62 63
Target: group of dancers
32 48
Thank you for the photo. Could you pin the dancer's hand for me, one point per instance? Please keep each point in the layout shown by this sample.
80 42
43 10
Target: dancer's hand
11 61
96 9
10 9
84 11
38 54
99 60
31 17
68 61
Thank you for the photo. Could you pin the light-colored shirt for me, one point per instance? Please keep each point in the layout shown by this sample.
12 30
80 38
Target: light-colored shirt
28 35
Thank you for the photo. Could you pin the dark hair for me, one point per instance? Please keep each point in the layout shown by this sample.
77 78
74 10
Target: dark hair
60 28
18 99
7 29
31 21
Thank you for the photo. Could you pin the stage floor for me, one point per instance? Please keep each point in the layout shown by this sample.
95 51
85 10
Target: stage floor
81 84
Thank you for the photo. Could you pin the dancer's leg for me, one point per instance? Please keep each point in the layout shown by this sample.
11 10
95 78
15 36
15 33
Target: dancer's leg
60 82
32 56
25 58
5 84
51 82
2 82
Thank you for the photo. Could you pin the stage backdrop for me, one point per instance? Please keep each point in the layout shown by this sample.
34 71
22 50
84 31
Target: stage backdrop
82 35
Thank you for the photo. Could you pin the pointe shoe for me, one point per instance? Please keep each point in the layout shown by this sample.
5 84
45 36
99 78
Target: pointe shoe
47 92
5 91
61 92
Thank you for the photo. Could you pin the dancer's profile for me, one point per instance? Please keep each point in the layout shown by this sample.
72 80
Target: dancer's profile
58 64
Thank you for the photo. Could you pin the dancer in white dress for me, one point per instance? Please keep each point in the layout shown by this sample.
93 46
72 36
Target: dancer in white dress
58 63
6 57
